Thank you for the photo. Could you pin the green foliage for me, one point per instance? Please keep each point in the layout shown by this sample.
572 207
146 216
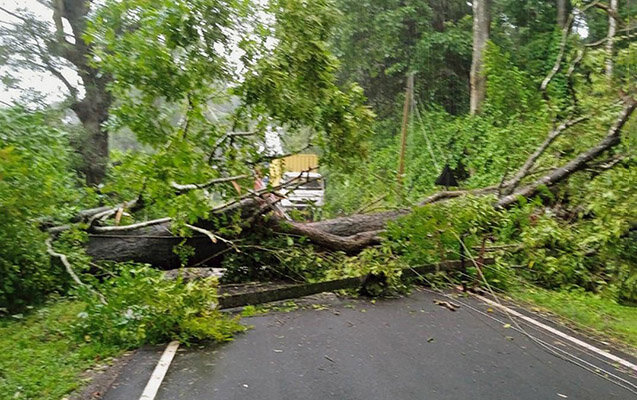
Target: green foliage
294 83
266 256
35 187
287 81
383 268
588 311
378 42
509 91
39 358
433 233
144 307
593 250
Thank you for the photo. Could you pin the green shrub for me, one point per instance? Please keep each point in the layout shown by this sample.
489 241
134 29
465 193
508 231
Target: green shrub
144 307
35 183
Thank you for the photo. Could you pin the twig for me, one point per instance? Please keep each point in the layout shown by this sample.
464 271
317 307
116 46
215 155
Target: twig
560 54
222 139
69 269
372 203
193 186
451 194
214 238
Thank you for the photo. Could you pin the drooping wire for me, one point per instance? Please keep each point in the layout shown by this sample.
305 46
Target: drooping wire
550 348
424 133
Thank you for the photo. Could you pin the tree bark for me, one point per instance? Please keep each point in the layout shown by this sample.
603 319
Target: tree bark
92 110
481 22
150 245
612 29
562 12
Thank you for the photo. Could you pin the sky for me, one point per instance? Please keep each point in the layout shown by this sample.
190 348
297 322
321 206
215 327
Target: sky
45 83
51 87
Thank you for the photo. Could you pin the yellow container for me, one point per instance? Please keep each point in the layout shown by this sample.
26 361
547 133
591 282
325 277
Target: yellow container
293 163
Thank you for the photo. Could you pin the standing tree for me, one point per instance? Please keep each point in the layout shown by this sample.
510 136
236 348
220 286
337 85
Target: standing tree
562 12
481 22
52 47
612 29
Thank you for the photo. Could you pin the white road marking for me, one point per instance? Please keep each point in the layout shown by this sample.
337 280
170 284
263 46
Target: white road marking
561 334
152 387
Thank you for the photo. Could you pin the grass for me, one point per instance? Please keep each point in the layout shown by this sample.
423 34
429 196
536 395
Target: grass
594 311
40 359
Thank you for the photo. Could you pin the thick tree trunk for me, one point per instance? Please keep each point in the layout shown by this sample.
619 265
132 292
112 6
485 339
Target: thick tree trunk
153 245
93 147
153 242
562 12
92 110
481 22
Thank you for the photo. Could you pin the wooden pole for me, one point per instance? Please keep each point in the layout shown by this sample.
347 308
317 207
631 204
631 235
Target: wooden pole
409 93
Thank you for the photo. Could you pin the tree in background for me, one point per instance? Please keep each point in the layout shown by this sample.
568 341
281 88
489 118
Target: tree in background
379 42
562 12
56 45
481 28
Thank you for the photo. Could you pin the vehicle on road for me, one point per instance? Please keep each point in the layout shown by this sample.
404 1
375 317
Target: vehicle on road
307 189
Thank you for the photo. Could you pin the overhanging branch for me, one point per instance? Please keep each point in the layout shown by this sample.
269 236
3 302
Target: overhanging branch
611 139
530 162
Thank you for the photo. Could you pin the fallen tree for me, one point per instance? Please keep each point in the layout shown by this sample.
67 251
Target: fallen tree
153 241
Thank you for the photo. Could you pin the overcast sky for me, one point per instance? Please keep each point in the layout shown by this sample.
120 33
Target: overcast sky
45 83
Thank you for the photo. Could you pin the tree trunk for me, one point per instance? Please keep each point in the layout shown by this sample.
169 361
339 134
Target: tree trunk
150 245
93 146
612 28
152 242
562 10
481 22
92 110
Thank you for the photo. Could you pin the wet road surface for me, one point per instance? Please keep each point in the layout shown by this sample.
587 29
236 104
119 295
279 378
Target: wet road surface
408 348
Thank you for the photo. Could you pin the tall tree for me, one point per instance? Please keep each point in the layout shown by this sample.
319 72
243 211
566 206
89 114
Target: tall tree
481 22
562 12
51 47
378 42
612 29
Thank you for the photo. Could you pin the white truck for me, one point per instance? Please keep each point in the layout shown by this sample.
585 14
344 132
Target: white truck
306 189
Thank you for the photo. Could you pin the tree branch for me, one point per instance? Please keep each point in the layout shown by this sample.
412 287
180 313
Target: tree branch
530 162
560 56
193 186
69 269
131 227
612 139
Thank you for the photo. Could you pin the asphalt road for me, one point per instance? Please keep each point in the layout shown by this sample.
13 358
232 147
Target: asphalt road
408 348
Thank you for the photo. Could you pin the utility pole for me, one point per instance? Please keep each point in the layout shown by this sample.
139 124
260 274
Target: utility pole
409 97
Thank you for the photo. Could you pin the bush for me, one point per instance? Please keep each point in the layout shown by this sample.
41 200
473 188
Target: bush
144 307
35 183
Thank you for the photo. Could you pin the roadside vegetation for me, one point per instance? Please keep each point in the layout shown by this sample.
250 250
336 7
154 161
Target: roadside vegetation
40 357
586 311
189 127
